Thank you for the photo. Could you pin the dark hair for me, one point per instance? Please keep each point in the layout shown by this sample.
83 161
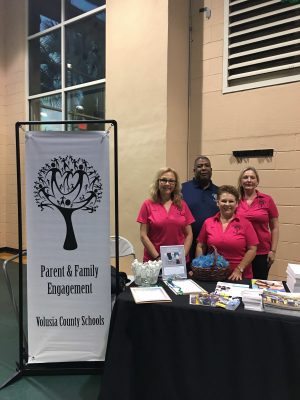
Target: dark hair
228 189
201 158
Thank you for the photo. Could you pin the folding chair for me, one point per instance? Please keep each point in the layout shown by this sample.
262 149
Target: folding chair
10 290
126 254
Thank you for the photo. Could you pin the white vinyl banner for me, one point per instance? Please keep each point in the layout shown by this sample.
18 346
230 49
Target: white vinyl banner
68 260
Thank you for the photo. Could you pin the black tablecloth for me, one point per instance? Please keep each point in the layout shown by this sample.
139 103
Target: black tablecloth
179 351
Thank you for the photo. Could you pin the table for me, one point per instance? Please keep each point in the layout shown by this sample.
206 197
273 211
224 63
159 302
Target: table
178 351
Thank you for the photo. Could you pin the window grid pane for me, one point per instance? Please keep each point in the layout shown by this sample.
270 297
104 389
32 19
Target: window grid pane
43 15
85 50
87 103
46 108
45 63
74 8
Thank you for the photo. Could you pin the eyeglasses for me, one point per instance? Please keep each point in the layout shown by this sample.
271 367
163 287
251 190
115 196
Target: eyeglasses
165 180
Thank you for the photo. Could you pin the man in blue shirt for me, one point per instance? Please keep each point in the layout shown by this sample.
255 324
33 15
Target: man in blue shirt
200 195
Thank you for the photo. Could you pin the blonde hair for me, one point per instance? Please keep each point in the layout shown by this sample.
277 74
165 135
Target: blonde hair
240 187
176 195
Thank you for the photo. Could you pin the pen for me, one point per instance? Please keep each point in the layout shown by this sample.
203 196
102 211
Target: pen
175 286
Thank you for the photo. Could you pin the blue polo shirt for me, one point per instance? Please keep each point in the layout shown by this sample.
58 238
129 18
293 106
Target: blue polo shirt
202 203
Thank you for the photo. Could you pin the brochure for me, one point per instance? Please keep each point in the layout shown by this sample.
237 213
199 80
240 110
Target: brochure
230 289
183 286
173 262
151 294
215 300
204 299
286 303
274 286
228 302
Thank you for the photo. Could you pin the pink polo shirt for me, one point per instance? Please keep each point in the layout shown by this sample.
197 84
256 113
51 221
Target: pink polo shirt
165 228
259 213
233 243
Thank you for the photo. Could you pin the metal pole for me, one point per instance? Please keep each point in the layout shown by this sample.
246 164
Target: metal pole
20 244
116 169
22 368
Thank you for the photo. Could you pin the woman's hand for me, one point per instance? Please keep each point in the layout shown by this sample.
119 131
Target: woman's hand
274 228
236 275
271 258
200 249
188 239
147 242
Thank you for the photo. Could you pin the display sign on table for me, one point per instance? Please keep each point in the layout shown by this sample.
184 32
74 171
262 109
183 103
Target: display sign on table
173 262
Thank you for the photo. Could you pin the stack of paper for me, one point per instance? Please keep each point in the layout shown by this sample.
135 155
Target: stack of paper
252 299
282 303
293 277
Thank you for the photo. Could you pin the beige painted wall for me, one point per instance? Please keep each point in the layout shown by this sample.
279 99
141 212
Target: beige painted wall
253 119
147 53
146 92
140 95
178 86
3 138
12 80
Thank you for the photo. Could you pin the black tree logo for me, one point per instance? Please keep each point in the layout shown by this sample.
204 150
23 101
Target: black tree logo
68 184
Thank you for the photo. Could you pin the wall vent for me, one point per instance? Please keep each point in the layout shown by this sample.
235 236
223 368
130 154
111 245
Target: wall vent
261 43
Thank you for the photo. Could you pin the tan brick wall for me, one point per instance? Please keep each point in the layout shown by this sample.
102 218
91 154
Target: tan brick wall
3 138
258 118
12 109
136 96
147 93
140 87
177 86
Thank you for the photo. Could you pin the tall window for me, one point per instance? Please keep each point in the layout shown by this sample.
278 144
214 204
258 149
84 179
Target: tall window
66 50
261 43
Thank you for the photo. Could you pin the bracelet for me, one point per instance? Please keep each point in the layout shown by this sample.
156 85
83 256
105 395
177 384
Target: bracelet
240 269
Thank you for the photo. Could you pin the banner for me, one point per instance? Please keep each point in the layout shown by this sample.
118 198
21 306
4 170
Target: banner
68 248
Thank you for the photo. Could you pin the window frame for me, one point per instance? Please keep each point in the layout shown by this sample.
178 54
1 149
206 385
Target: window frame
64 89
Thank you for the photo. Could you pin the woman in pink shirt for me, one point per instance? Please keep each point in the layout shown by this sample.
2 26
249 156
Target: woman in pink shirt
165 218
261 211
233 236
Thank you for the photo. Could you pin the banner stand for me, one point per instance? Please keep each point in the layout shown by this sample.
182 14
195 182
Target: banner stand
60 368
